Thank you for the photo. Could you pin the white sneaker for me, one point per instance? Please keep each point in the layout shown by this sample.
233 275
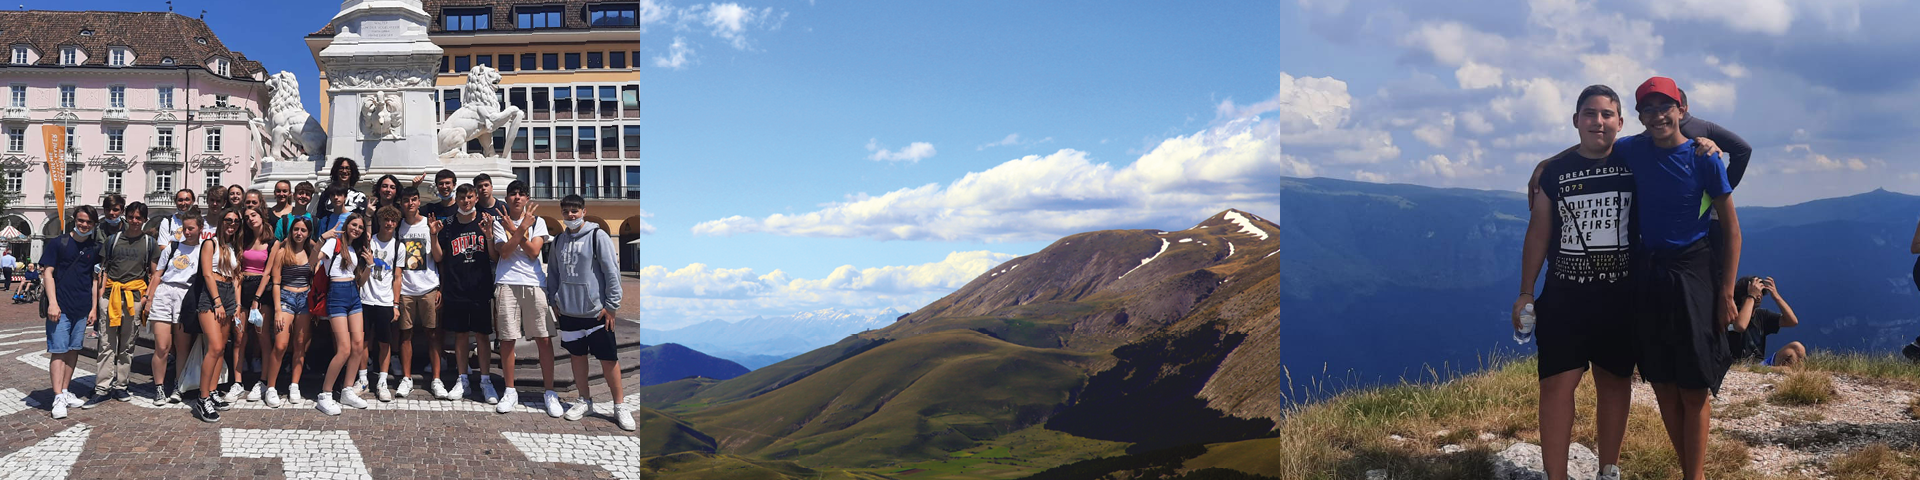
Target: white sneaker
406 387
580 409
326 404
1609 472
624 414
349 398
73 400
234 394
361 383
553 404
272 398
254 394
159 395
60 406
486 390
506 401
438 389
293 394
380 389
174 396
459 390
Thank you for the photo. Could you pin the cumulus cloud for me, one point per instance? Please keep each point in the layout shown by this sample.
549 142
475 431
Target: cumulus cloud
730 23
645 228
913 153
1474 75
1012 140
677 57
700 291
1801 158
1718 97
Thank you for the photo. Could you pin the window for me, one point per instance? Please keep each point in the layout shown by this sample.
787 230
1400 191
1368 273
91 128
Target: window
589 177
72 185
541 102
526 62
541 143
18 98
609 140
163 138
517 97
609 100
70 139
506 63
445 67
541 17
563 181
563 138
483 60
117 57
587 140
163 181
630 98
452 100
69 56
520 141
563 99
66 96
115 180
117 96
16 181
466 19
169 60
583 100
213 182
462 63
116 139
165 97
633 181
617 59
222 67
549 61
613 15
220 100
573 61
213 139
594 60
16 140
19 55
631 140
543 182
611 182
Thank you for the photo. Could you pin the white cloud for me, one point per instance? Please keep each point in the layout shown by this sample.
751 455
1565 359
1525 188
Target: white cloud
1011 140
1235 164
1712 97
1366 176
1436 134
654 11
700 291
1620 72
1476 122
730 21
1454 43
1475 75
679 55
1730 69
645 228
1801 158
1771 17
1313 113
914 152
1540 100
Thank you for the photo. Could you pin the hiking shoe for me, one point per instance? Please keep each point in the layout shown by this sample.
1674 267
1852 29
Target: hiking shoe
349 397
579 409
1608 472
326 405
209 410
406 387
553 404
439 389
504 403
486 390
624 414
293 394
254 394
272 398
60 406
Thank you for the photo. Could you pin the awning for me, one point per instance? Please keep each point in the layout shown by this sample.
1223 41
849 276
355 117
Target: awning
10 233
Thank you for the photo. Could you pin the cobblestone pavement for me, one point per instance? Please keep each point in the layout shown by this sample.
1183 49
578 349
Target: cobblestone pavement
415 437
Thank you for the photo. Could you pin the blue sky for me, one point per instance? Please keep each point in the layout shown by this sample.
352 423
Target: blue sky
1408 91
272 33
880 154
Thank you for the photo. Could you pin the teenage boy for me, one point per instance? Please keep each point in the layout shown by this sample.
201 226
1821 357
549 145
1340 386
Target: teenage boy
521 310
466 280
443 185
1683 311
419 304
68 262
483 184
126 259
584 289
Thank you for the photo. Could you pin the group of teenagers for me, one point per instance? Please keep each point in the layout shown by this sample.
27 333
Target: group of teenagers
1641 243
381 274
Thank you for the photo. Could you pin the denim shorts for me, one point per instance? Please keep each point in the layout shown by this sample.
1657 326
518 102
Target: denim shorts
293 302
343 298
65 335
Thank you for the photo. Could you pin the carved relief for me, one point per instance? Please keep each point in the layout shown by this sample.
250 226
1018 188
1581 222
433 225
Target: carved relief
382 78
380 115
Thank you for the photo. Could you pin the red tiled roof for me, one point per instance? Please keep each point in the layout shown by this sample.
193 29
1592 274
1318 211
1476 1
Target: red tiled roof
502 18
151 36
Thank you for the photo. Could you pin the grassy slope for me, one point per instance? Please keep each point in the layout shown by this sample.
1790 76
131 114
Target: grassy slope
657 396
1257 456
772 376
916 398
662 434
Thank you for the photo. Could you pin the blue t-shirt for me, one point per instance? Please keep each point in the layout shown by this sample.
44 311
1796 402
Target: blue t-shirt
72 263
1670 183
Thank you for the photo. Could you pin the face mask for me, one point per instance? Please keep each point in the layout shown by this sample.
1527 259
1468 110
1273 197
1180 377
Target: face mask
112 221
575 224
467 211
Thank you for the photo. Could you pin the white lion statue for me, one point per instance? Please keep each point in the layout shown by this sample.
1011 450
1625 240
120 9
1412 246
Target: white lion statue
479 115
288 132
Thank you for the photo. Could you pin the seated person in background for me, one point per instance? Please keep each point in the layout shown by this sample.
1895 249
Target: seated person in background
1747 335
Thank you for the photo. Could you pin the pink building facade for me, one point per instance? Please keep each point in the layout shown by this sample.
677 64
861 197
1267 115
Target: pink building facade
144 115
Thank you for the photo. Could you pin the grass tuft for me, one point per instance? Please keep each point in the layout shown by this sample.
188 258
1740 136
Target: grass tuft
1803 388
1876 461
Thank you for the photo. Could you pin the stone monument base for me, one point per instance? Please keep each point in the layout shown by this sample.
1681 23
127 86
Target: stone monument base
499 169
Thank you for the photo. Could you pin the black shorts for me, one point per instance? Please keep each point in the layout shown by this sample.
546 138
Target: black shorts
1585 326
467 316
377 321
596 340
1679 341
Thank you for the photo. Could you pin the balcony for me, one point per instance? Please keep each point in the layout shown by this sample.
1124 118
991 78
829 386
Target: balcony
114 115
15 114
221 114
604 192
163 155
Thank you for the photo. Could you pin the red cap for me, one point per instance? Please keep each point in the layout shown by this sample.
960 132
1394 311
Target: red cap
1660 85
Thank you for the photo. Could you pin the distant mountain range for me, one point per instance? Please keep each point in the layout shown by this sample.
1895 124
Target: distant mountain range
1383 281
760 341
668 362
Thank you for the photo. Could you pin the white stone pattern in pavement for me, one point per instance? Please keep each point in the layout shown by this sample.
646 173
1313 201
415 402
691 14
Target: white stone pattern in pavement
304 454
50 459
617 454
12 401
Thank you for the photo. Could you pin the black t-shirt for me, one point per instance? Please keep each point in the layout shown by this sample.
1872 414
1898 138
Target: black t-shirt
1593 212
1752 344
436 211
466 271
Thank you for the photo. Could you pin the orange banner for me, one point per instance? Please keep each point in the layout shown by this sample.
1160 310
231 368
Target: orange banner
56 141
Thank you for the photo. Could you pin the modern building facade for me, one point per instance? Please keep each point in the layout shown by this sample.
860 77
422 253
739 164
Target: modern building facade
151 102
573 67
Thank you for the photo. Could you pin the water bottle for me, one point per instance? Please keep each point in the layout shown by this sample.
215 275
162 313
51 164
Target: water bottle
1525 333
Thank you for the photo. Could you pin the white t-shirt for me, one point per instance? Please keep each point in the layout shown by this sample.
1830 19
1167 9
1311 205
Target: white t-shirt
338 266
170 227
182 266
516 268
416 256
379 287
